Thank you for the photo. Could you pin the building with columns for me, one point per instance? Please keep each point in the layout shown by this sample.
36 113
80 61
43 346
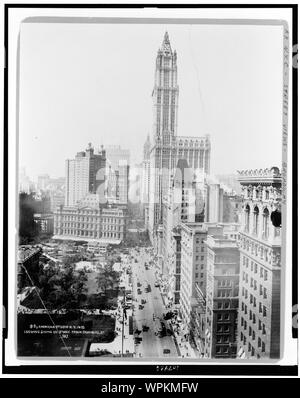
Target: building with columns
90 220
260 266
166 147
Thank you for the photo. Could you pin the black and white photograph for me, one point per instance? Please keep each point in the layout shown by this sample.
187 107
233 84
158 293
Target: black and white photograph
151 188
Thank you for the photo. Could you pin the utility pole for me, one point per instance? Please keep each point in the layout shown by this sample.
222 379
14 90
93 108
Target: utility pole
123 323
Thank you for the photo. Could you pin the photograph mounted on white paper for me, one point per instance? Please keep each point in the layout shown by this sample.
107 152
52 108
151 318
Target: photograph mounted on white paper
150 199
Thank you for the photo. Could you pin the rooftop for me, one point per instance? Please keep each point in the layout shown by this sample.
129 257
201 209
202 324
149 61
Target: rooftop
221 241
271 175
25 252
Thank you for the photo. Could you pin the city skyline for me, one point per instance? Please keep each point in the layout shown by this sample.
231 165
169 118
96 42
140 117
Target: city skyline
186 267
47 90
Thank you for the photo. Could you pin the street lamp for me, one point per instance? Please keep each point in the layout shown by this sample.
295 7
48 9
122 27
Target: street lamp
124 309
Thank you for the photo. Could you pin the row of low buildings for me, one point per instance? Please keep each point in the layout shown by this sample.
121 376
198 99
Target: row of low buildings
224 278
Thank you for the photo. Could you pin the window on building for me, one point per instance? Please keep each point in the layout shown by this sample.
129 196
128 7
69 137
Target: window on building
266 218
247 218
267 195
264 311
255 220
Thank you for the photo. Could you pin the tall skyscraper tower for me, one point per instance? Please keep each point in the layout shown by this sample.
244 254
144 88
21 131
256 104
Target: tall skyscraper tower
165 93
167 148
85 174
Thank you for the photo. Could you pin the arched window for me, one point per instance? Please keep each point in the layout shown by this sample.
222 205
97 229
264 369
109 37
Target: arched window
255 220
267 195
247 218
266 218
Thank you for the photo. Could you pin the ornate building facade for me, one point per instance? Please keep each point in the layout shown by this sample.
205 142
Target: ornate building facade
260 267
167 148
90 220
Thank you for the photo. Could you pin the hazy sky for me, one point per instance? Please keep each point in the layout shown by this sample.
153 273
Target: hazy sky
83 83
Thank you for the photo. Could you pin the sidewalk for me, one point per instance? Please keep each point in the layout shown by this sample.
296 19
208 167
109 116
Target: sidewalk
115 347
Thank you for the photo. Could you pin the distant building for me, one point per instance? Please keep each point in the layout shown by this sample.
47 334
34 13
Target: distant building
222 296
260 276
25 184
230 183
85 174
214 203
232 208
118 161
43 182
57 198
45 223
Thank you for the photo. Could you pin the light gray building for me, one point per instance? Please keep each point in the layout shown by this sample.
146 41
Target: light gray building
260 276
166 147
85 174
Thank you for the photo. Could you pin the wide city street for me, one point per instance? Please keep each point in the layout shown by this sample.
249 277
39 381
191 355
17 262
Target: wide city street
148 310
